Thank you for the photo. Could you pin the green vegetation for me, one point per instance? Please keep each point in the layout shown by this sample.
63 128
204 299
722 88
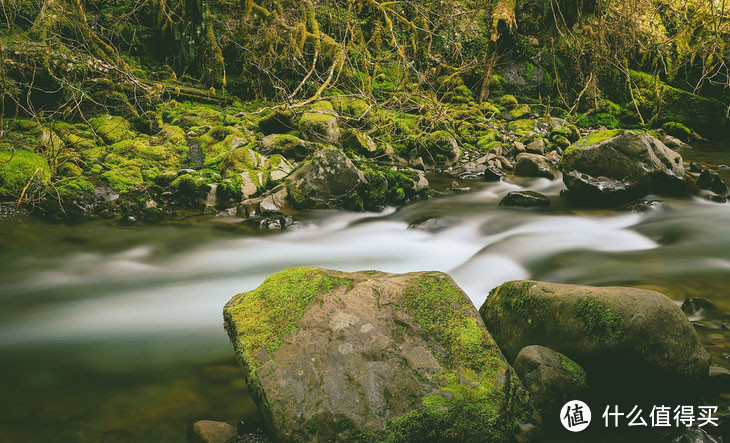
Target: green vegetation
22 174
578 373
598 320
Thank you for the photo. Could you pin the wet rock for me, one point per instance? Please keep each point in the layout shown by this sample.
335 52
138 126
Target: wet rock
207 431
324 182
675 143
533 165
643 205
552 379
553 157
710 180
506 164
616 166
716 198
332 356
493 174
525 199
536 147
611 331
698 306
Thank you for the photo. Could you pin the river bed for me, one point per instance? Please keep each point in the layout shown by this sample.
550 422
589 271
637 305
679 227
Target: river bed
112 332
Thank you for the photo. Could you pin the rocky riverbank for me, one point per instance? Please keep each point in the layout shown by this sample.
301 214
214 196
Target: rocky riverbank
267 164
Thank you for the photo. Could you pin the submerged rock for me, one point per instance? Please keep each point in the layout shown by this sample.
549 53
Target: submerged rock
207 431
621 331
711 180
525 199
552 379
334 356
616 166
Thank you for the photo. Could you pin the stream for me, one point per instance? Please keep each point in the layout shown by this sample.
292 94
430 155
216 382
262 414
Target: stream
114 333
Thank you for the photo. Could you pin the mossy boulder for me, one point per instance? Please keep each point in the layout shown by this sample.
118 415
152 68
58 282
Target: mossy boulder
19 169
671 104
677 130
370 356
357 141
319 123
552 379
522 126
277 122
386 186
289 146
111 129
440 147
327 181
610 331
73 198
615 166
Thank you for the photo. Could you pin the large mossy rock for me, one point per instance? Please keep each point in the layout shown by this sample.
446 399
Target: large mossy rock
614 330
327 181
334 356
616 166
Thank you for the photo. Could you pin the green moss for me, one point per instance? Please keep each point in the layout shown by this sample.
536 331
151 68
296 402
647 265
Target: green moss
522 126
111 129
529 70
597 319
513 297
597 120
507 100
597 137
385 187
466 405
519 111
670 104
438 146
677 130
123 179
577 372
268 313
20 169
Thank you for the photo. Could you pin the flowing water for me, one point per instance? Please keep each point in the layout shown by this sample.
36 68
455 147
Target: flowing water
114 333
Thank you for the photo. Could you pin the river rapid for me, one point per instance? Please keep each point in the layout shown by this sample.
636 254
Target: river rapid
113 332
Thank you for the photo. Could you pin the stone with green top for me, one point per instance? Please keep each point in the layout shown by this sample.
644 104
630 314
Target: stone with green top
372 356
614 330
615 166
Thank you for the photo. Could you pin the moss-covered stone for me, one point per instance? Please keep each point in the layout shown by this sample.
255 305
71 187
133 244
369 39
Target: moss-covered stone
439 374
111 129
319 123
604 329
22 170
677 130
522 126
